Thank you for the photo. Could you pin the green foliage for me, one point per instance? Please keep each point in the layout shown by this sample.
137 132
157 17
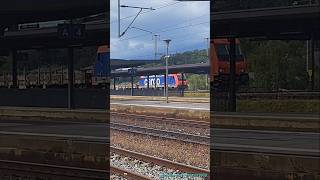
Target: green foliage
277 64
197 82
281 106
188 57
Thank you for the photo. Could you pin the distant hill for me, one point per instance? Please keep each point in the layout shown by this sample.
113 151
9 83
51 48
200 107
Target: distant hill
188 57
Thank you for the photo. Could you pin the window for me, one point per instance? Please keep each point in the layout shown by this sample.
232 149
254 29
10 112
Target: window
223 52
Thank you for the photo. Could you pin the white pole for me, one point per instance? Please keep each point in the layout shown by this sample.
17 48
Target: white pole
167 57
119 18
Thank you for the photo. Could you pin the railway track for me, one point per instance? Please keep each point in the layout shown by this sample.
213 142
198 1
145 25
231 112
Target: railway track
166 120
218 146
183 168
127 174
188 138
34 171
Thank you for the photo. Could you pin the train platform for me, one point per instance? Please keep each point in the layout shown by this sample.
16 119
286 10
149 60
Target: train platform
182 110
56 114
158 98
161 103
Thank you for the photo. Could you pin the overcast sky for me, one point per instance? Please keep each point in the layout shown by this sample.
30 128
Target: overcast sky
186 23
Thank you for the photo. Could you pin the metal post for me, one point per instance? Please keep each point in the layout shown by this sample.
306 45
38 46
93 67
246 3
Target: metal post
50 75
167 100
155 46
312 62
25 75
165 85
167 57
232 84
14 69
114 83
155 81
148 83
131 85
207 81
182 88
61 80
307 55
4 79
119 18
70 79
208 48
39 78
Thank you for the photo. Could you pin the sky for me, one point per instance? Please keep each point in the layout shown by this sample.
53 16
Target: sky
185 23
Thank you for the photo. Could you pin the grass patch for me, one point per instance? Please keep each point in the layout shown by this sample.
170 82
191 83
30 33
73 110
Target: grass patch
294 106
194 94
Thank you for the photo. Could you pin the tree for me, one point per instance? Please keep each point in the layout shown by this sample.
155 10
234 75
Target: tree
197 82
277 64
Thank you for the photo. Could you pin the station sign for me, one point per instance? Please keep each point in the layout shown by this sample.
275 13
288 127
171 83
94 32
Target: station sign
71 31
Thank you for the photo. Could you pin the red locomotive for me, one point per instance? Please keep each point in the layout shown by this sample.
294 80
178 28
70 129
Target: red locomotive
220 63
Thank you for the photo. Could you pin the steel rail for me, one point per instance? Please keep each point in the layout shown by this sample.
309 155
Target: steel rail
27 168
174 121
159 161
205 140
189 138
127 174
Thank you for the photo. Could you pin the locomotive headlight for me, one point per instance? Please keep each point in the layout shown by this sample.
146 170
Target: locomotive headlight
242 70
220 70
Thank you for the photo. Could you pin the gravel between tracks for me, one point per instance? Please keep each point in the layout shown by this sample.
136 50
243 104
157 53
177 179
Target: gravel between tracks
116 177
147 169
178 151
162 126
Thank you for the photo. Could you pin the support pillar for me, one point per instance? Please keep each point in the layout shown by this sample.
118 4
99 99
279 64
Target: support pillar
39 76
70 79
312 63
14 69
61 75
50 75
155 81
25 75
232 83
148 81
131 85
4 79
182 86
165 85
114 83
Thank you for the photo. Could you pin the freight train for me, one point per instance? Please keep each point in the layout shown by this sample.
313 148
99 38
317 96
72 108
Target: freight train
220 64
93 76
157 81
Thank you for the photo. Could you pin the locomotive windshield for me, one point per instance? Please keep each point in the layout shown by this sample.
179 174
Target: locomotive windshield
180 77
223 52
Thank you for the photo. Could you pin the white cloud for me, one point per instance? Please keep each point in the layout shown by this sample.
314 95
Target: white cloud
179 21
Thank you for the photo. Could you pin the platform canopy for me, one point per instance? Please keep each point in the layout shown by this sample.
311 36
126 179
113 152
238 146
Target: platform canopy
198 68
26 11
266 19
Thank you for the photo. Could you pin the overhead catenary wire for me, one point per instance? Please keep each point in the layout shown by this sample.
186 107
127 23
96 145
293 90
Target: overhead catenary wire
157 8
163 46
167 30
190 20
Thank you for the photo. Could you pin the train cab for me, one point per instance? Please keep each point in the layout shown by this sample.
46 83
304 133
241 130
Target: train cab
220 63
101 69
